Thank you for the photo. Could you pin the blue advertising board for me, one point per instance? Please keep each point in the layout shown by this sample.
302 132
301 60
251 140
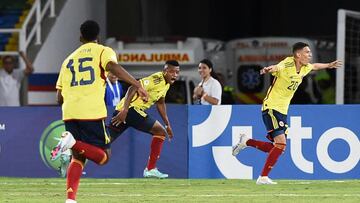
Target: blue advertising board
27 135
323 142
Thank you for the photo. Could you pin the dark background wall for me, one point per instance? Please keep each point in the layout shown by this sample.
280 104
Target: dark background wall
225 19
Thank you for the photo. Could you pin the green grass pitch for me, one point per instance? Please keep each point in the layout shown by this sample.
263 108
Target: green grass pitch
179 190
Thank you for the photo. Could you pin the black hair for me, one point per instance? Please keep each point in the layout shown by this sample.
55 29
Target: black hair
172 63
90 30
207 62
7 57
298 46
211 66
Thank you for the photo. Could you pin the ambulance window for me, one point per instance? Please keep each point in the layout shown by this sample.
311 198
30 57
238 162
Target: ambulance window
249 79
177 93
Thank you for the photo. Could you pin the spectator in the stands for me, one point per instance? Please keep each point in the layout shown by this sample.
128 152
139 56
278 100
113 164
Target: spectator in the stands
209 90
10 79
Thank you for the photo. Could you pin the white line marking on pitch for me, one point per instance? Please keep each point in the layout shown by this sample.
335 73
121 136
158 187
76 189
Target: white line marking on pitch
62 183
200 195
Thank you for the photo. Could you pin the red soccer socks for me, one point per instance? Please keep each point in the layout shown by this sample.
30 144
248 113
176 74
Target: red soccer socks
271 160
156 146
263 146
73 178
91 152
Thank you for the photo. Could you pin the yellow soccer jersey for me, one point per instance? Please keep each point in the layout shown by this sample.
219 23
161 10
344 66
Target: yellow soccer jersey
82 82
156 87
284 85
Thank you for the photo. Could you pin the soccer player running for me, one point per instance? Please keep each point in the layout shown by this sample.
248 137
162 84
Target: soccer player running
81 90
130 112
288 76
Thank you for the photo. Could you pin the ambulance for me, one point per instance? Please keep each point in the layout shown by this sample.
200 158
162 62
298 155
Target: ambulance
142 57
245 58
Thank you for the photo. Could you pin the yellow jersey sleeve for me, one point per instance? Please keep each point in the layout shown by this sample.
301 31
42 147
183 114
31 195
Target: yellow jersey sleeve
107 55
308 68
287 62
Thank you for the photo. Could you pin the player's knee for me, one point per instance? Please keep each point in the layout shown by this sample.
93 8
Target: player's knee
280 146
106 158
104 161
162 134
158 130
163 137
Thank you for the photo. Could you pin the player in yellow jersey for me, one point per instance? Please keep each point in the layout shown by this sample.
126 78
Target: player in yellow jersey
130 112
81 90
288 76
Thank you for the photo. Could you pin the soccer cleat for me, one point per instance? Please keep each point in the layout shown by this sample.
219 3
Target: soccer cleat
240 145
66 142
55 154
154 173
65 159
70 201
265 180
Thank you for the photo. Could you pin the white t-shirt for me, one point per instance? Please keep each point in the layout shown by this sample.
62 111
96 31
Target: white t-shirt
213 88
10 87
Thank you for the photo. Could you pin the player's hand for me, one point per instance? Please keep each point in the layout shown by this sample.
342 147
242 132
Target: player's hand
169 132
265 70
143 94
119 118
335 64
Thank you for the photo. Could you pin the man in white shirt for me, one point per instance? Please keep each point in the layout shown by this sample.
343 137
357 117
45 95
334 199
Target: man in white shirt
10 80
113 90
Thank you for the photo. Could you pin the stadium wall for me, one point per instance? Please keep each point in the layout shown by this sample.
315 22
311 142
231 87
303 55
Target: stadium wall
323 143
61 41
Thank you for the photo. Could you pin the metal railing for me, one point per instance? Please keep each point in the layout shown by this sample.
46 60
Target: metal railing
28 31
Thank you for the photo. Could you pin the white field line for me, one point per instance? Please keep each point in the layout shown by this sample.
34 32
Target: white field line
104 183
229 195
57 182
62 182
202 195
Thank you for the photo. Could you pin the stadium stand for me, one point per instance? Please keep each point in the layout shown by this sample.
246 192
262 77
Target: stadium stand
12 15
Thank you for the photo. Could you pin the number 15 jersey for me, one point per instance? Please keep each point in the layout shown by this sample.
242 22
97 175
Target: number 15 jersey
82 82
284 85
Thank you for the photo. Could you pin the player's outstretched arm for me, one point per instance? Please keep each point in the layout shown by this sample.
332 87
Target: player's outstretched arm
161 107
334 64
122 74
121 116
269 69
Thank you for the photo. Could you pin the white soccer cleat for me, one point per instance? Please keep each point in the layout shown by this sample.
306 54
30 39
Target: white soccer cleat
66 142
154 173
265 180
240 145
70 201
